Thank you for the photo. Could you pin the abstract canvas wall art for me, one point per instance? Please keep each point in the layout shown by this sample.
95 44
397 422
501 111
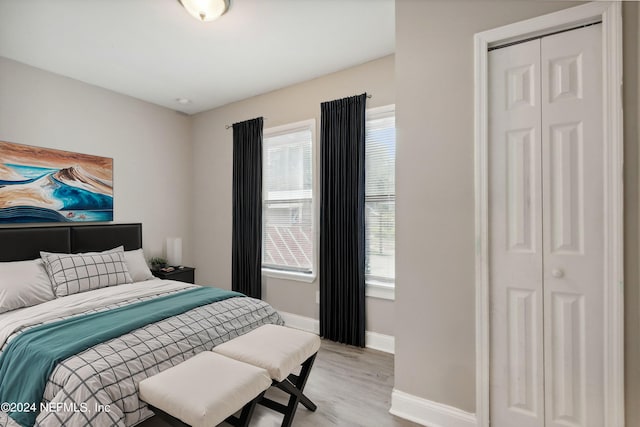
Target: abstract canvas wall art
46 185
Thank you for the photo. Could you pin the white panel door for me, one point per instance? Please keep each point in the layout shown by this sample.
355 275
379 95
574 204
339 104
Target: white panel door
546 228
573 228
515 244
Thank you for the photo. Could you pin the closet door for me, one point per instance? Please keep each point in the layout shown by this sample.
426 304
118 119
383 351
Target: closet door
515 245
573 181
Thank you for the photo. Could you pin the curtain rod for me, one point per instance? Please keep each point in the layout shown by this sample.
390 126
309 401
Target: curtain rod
230 126
264 118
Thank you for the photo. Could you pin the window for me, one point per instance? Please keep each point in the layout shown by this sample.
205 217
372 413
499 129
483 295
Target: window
288 220
380 200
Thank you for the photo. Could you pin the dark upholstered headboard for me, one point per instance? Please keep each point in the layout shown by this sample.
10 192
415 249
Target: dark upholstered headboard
18 244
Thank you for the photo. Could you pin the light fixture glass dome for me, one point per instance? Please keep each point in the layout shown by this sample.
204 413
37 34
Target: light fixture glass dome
206 10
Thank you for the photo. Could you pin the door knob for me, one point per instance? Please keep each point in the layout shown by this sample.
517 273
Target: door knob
558 273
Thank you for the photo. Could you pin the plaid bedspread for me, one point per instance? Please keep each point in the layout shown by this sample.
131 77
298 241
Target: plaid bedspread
98 387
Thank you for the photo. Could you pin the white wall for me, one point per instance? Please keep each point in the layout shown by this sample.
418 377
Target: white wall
212 165
150 145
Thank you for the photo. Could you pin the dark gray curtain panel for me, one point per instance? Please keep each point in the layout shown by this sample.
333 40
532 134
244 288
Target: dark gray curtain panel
247 208
342 238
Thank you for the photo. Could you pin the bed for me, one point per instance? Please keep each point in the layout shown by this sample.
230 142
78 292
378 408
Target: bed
98 385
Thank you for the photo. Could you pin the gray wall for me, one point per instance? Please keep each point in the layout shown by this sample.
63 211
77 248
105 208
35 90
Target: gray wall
163 158
173 172
435 295
631 96
149 144
212 155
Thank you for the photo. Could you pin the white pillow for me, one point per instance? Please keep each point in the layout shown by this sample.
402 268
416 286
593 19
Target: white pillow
137 266
75 273
23 284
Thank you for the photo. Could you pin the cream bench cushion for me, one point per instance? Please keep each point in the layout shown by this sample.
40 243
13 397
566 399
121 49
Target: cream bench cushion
278 349
204 390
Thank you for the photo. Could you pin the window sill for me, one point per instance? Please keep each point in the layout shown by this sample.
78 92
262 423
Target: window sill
289 275
381 290
373 289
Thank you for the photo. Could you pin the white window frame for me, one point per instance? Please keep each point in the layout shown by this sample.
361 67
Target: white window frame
281 130
374 288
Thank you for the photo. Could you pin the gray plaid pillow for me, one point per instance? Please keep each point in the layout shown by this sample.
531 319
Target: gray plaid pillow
75 273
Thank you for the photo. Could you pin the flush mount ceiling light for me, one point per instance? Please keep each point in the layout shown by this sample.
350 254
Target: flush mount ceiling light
205 10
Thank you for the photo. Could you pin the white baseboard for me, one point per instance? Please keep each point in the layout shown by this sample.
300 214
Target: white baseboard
373 340
381 342
428 413
301 322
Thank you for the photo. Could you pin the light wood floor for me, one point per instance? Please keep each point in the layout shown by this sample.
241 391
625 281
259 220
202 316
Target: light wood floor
351 386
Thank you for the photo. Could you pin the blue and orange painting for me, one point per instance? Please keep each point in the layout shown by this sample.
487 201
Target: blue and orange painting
45 185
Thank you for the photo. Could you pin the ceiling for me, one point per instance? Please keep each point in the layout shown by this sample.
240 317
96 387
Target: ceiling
155 51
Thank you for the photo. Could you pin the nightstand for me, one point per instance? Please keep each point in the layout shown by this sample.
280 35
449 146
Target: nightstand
186 274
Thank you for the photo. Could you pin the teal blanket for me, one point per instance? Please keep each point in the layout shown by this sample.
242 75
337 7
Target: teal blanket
28 360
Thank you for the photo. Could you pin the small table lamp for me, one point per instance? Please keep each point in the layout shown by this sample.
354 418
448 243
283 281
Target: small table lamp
174 251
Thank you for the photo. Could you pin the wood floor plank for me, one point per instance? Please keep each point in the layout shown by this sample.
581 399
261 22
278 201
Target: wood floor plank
351 386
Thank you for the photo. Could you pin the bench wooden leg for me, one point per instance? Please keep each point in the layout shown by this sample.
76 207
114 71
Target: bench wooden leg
291 389
246 414
294 387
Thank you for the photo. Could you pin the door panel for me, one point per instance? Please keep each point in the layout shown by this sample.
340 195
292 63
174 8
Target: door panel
566 369
515 212
566 188
572 151
520 156
546 196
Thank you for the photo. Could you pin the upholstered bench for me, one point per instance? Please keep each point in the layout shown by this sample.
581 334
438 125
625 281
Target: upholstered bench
205 390
279 350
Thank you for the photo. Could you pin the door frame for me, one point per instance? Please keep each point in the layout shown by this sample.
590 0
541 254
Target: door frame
610 13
